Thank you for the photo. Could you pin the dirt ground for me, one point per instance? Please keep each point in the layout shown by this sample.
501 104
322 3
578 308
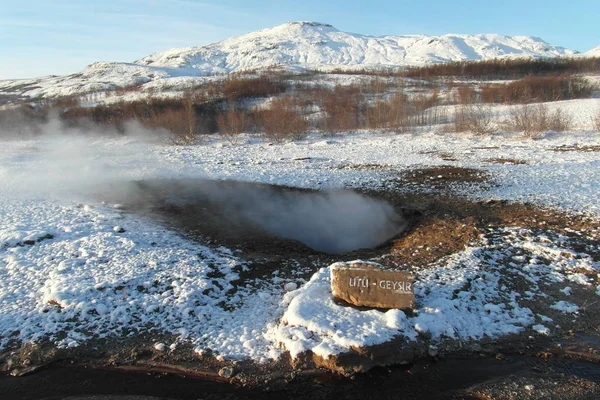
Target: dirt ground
565 365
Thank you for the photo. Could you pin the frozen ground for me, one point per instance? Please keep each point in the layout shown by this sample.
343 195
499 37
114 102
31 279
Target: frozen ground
74 269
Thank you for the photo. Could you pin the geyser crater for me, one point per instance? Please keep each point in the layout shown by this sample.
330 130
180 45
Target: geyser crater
334 222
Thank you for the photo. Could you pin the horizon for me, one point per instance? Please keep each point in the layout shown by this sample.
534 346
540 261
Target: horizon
49 38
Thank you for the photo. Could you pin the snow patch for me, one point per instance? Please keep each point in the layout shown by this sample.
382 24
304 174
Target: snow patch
565 307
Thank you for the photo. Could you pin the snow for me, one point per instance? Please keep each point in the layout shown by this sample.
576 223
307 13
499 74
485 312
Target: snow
565 307
567 291
313 45
445 307
595 52
160 347
541 329
74 269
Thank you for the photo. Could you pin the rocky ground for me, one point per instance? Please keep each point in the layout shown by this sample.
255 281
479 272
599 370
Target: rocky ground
562 363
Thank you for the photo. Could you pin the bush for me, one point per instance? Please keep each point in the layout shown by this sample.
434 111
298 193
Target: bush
559 121
465 94
477 119
236 88
535 89
232 122
284 121
181 122
424 110
393 113
505 68
533 120
342 106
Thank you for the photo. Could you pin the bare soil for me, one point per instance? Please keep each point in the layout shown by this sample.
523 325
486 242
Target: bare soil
587 149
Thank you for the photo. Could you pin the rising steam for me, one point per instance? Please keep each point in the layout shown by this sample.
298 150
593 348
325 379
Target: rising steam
97 166
330 221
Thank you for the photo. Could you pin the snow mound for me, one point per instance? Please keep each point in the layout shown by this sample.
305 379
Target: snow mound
313 321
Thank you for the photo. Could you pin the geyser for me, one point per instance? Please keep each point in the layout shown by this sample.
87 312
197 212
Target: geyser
327 221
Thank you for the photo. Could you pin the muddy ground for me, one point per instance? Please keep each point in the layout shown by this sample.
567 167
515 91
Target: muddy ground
565 365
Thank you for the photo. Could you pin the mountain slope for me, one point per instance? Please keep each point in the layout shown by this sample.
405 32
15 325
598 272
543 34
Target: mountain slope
313 45
294 45
595 52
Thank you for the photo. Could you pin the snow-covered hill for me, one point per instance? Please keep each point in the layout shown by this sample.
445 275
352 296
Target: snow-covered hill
294 45
313 45
595 52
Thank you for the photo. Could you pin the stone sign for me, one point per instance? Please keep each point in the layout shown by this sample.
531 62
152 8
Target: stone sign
365 284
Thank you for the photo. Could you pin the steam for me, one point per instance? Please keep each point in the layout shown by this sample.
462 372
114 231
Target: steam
332 222
72 163
95 164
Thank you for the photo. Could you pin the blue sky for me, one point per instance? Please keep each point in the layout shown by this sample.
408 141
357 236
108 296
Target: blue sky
61 37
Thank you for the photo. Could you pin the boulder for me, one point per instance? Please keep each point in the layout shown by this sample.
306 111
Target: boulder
368 285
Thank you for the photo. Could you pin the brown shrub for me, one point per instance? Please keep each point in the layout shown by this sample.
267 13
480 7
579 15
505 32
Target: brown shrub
477 119
465 94
23 121
283 120
342 108
487 69
559 121
491 93
393 112
232 122
537 89
236 88
66 102
505 68
424 109
180 122
534 120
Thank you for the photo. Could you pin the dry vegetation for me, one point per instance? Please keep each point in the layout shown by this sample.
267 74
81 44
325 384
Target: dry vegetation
532 89
284 120
534 120
487 69
505 68
286 107
474 118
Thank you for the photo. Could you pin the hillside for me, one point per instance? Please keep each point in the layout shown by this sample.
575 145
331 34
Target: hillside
313 45
595 52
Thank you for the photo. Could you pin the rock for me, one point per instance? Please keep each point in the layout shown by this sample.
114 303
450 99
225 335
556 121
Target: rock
365 284
226 372
432 351
12 363
397 351
160 347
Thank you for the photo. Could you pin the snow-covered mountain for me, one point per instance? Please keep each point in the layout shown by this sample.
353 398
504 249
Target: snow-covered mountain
294 45
314 45
595 52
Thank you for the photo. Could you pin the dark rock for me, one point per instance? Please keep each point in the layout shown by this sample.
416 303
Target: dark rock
226 372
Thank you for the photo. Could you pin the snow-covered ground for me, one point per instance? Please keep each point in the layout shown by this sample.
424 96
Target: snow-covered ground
74 269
